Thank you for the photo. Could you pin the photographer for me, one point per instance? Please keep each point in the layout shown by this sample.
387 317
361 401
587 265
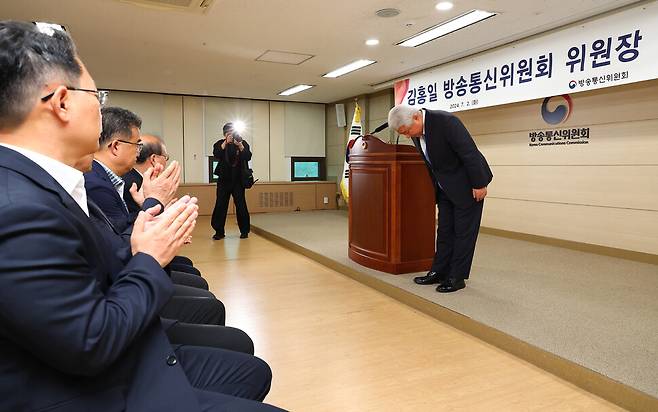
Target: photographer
230 152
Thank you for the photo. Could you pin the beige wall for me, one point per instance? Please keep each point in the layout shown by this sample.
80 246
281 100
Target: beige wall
374 110
603 193
270 197
190 125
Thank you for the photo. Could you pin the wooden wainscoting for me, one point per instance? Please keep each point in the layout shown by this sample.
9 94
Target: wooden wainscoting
270 196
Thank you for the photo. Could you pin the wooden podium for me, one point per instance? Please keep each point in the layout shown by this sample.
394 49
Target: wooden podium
392 213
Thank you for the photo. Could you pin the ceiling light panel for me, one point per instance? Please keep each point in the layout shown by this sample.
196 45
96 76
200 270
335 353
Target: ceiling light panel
356 65
447 27
295 89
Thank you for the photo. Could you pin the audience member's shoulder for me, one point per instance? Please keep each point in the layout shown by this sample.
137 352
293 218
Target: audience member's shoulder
22 190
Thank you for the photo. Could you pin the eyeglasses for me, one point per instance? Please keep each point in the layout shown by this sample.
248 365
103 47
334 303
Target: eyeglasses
101 95
139 145
166 156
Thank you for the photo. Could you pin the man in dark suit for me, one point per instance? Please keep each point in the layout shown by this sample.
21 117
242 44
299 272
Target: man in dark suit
71 338
152 159
230 152
120 143
461 176
191 316
152 155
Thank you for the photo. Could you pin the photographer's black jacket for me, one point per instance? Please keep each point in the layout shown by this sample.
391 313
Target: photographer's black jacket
229 171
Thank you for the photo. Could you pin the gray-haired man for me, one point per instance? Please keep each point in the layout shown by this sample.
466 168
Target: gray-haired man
461 175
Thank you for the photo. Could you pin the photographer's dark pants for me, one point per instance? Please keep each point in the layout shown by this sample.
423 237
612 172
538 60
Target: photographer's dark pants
224 191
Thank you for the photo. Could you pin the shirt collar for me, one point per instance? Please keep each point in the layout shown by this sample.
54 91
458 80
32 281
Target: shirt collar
72 180
114 178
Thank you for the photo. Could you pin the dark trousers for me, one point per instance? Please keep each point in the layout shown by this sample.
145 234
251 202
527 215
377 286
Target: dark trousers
221 337
193 309
188 279
181 267
456 237
184 260
222 376
217 402
224 192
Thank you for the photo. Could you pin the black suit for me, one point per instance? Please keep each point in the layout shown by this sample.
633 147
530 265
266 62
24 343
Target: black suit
129 178
229 183
457 167
180 264
72 338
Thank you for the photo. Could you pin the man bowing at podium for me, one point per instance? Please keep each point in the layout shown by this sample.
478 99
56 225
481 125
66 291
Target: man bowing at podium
460 174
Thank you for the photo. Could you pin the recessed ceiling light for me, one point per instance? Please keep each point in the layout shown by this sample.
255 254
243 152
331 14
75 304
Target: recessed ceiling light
447 27
444 5
356 65
372 42
296 89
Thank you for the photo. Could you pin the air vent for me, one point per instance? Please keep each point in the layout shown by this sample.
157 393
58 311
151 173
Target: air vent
387 12
275 199
192 6
283 57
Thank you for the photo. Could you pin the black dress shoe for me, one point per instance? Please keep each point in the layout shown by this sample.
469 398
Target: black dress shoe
244 235
451 285
217 236
429 279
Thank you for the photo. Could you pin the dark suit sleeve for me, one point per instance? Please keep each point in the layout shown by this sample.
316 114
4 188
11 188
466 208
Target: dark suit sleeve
149 202
462 143
246 153
110 203
217 150
133 207
50 302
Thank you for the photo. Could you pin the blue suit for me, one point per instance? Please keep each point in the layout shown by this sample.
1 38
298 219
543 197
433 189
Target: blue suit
70 341
101 190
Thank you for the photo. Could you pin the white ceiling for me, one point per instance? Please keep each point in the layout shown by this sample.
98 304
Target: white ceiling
128 47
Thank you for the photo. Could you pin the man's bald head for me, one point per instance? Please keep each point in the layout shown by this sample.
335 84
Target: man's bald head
153 152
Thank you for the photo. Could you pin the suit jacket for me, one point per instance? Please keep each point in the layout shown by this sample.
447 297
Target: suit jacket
224 170
70 340
101 190
129 178
119 249
456 162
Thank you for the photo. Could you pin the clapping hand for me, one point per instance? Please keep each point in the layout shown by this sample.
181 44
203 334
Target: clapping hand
161 185
163 236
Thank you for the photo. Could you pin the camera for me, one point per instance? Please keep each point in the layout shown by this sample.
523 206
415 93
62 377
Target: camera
237 137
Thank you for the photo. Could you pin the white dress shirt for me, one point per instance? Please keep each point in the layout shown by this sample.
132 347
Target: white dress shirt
423 146
72 180
423 143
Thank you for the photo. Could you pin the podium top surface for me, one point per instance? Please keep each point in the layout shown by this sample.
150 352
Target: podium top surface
371 146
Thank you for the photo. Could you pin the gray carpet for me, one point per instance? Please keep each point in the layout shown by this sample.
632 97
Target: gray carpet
599 312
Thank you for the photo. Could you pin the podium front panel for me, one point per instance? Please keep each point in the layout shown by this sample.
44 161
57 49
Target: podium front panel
371 220
418 213
392 209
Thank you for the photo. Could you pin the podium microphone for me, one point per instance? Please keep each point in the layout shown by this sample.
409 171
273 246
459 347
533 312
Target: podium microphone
381 127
